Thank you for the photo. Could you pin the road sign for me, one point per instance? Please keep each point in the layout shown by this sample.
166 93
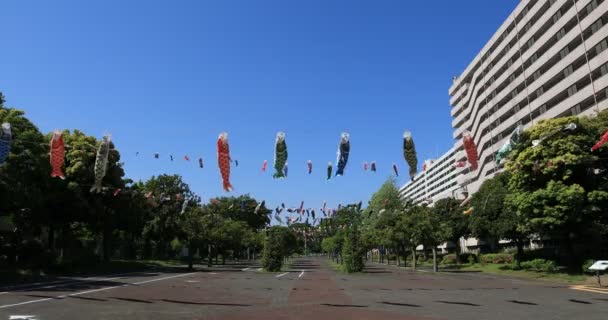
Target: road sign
601 265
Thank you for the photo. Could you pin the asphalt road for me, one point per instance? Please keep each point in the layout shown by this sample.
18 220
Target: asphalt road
311 290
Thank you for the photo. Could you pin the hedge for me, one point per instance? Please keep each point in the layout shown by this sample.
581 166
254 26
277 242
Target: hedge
496 258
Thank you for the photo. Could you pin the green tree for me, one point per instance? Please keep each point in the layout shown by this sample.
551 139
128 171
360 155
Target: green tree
492 220
555 187
352 250
426 228
449 211
166 207
279 244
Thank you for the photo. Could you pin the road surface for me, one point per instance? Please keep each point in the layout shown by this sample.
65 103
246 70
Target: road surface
309 290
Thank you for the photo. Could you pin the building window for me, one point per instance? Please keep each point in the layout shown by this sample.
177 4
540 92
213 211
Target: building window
601 46
564 52
536 75
511 78
572 90
540 91
510 63
557 16
591 6
543 109
575 110
533 58
568 71
516 109
560 34
604 69
596 26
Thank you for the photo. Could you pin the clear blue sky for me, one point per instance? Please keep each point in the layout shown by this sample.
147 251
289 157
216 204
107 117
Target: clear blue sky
169 76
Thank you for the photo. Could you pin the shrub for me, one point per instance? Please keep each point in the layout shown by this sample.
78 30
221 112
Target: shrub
449 259
540 265
496 258
468 257
352 252
587 265
33 255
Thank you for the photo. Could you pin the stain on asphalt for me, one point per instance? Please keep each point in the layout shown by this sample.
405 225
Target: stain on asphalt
400 304
579 301
343 305
207 303
523 302
460 303
131 300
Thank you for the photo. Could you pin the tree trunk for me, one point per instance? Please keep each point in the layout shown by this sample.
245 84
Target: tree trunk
457 244
51 238
107 233
414 258
398 261
209 256
520 252
435 266
190 256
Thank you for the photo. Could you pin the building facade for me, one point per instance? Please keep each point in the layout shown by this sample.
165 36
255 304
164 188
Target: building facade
437 180
548 59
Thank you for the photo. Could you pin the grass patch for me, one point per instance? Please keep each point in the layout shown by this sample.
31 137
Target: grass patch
503 269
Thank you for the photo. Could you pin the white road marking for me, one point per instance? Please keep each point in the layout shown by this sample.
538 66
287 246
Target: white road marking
96 290
45 285
166 278
192 281
212 273
22 318
260 269
301 274
286 273
246 269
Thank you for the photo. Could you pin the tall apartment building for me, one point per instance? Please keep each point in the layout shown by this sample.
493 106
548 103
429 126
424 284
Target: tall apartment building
548 59
438 180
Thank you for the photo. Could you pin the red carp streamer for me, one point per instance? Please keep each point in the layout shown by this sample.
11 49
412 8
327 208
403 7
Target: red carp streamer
223 160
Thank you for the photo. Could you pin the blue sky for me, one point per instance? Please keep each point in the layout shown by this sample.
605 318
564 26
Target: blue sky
169 76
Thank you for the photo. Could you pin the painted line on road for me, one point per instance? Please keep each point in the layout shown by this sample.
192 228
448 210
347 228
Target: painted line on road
301 274
44 285
284 274
166 278
246 269
92 291
260 269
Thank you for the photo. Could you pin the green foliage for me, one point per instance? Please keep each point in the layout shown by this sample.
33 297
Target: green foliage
352 251
448 259
586 265
539 265
279 244
496 258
